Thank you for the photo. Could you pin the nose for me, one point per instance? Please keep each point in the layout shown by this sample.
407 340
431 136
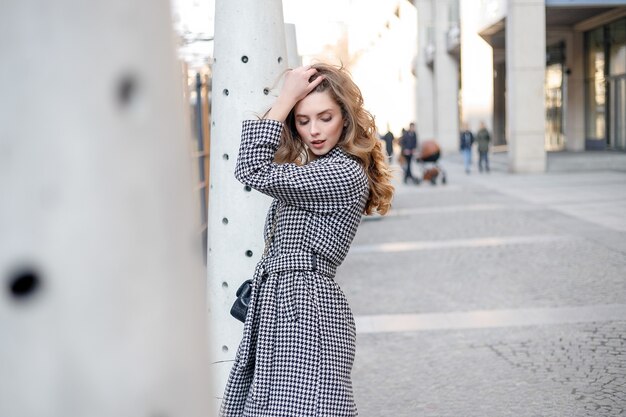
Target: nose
313 129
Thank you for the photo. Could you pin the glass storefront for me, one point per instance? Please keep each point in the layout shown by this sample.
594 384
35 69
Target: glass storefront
594 89
554 138
617 85
605 86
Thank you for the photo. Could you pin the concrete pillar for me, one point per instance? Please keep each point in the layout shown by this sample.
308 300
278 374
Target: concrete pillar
250 56
426 97
575 93
446 83
525 66
294 59
477 65
101 301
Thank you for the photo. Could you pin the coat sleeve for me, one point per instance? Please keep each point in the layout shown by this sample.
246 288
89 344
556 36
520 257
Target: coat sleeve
320 186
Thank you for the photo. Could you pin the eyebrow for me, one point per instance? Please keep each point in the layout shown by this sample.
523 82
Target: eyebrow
329 110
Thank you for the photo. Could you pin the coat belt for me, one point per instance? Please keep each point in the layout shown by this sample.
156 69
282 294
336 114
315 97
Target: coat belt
298 261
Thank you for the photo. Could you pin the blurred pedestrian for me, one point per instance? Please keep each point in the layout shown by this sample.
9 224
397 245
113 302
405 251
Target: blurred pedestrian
408 143
483 138
316 154
466 141
388 139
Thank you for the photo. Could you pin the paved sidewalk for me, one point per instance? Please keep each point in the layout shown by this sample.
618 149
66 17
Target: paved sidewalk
494 295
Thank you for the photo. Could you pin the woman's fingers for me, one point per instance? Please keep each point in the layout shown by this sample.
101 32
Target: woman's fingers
298 82
315 82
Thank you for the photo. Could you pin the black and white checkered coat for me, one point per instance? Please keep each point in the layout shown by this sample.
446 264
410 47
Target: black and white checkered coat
297 350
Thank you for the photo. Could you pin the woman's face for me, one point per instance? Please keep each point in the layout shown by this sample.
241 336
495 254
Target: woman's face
319 122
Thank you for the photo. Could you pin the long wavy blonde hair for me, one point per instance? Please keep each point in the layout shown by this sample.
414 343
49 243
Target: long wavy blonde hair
357 139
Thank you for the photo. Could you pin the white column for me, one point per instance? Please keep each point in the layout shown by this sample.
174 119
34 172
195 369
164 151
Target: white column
525 66
426 97
293 58
446 83
477 70
250 56
102 304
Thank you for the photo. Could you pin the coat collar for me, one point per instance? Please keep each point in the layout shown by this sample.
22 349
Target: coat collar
335 152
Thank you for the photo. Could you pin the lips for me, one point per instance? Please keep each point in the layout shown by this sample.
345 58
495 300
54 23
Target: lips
318 144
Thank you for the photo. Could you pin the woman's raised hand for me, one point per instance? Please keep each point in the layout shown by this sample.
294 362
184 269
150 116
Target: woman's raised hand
295 88
297 85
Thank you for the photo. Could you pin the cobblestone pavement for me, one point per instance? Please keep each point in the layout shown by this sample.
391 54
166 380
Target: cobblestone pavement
480 248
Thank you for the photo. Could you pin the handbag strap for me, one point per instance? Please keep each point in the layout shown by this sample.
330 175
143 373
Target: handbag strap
270 235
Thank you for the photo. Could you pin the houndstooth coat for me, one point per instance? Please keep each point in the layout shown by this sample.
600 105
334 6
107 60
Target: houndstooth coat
298 344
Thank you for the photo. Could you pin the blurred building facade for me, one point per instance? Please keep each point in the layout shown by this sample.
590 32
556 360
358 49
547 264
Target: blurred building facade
380 54
437 70
375 41
545 75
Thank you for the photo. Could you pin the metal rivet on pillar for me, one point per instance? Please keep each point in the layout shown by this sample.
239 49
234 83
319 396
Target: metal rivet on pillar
224 348
247 188
225 91
280 59
225 156
244 59
224 284
249 253
126 90
23 284
225 220
266 91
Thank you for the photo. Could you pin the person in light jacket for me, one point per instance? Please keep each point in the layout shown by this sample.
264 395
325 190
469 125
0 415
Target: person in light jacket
317 154
466 140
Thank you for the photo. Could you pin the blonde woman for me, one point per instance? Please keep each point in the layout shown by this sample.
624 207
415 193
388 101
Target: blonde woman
316 153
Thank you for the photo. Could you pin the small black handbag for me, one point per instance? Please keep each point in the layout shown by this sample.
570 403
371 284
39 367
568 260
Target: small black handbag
239 310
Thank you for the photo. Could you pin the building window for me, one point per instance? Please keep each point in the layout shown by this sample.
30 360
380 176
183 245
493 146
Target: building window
594 88
605 86
616 84
555 139
554 107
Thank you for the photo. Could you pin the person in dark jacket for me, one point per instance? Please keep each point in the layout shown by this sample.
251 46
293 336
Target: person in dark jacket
466 140
483 138
388 139
408 143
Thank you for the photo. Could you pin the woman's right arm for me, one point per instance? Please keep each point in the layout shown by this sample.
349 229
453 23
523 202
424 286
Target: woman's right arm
317 187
